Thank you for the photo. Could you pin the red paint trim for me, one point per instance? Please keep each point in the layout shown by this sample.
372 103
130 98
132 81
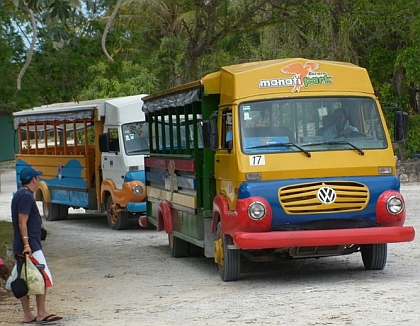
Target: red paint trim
250 234
44 274
165 217
265 240
233 221
385 218
182 165
143 221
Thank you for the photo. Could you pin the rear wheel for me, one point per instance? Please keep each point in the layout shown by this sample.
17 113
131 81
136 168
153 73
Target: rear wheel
63 212
374 256
229 260
117 219
195 251
45 208
50 210
179 247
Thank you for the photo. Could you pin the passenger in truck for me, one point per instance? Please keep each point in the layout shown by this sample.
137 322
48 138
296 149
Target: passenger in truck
327 121
341 127
229 139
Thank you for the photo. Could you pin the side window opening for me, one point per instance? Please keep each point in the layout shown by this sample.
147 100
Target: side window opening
114 145
227 132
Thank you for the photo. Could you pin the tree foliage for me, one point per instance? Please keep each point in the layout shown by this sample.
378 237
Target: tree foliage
156 44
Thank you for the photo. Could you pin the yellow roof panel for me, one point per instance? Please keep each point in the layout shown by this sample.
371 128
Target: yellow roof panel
286 77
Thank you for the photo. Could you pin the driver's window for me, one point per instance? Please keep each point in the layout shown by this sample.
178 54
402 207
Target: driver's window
227 132
114 145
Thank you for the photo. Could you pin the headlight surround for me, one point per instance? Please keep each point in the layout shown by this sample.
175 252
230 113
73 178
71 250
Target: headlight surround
394 205
257 210
137 190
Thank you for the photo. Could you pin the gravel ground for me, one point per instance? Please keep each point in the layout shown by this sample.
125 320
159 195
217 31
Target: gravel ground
105 277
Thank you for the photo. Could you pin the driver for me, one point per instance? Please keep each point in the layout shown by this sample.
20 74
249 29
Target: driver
341 127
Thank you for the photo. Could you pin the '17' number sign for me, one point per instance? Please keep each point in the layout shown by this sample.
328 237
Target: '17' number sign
257 160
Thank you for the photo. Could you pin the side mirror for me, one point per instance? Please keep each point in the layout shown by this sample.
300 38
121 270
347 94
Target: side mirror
104 142
210 134
401 126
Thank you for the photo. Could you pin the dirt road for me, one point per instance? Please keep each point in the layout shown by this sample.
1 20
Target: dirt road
105 277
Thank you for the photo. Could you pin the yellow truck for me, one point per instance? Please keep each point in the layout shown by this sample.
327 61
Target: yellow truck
91 154
279 159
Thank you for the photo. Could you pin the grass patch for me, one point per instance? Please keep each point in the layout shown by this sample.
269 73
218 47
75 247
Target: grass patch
6 237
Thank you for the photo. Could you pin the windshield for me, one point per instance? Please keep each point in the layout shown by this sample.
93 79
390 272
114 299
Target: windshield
136 137
320 124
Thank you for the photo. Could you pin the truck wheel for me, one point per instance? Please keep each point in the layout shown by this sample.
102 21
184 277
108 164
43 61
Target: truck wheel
230 262
374 256
179 247
45 208
195 251
63 212
50 210
117 220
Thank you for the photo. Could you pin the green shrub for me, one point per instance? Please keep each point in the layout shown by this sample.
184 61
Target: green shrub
412 144
6 238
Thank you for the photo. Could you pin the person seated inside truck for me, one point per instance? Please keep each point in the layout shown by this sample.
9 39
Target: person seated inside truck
264 120
327 121
229 139
341 127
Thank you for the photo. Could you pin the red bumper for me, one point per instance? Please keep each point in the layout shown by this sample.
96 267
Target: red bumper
284 239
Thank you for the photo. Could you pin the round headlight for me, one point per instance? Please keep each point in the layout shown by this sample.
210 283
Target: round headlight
394 205
257 210
137 190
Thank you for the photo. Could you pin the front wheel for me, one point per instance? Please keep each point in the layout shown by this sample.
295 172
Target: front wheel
117 219
374 256
228 260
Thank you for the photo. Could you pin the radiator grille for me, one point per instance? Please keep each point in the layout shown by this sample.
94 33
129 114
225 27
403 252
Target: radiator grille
303 198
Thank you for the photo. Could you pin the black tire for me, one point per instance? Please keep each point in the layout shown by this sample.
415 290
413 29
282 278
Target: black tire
230 265
63 212
195 251
374 256
179 247
117 219
50 210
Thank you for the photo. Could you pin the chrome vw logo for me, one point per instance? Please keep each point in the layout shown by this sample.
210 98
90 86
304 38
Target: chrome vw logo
326 195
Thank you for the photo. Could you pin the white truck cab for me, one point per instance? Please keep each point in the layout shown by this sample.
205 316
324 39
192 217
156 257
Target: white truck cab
91 154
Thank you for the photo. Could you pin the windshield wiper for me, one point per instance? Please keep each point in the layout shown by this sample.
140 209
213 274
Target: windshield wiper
338 142
282 144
